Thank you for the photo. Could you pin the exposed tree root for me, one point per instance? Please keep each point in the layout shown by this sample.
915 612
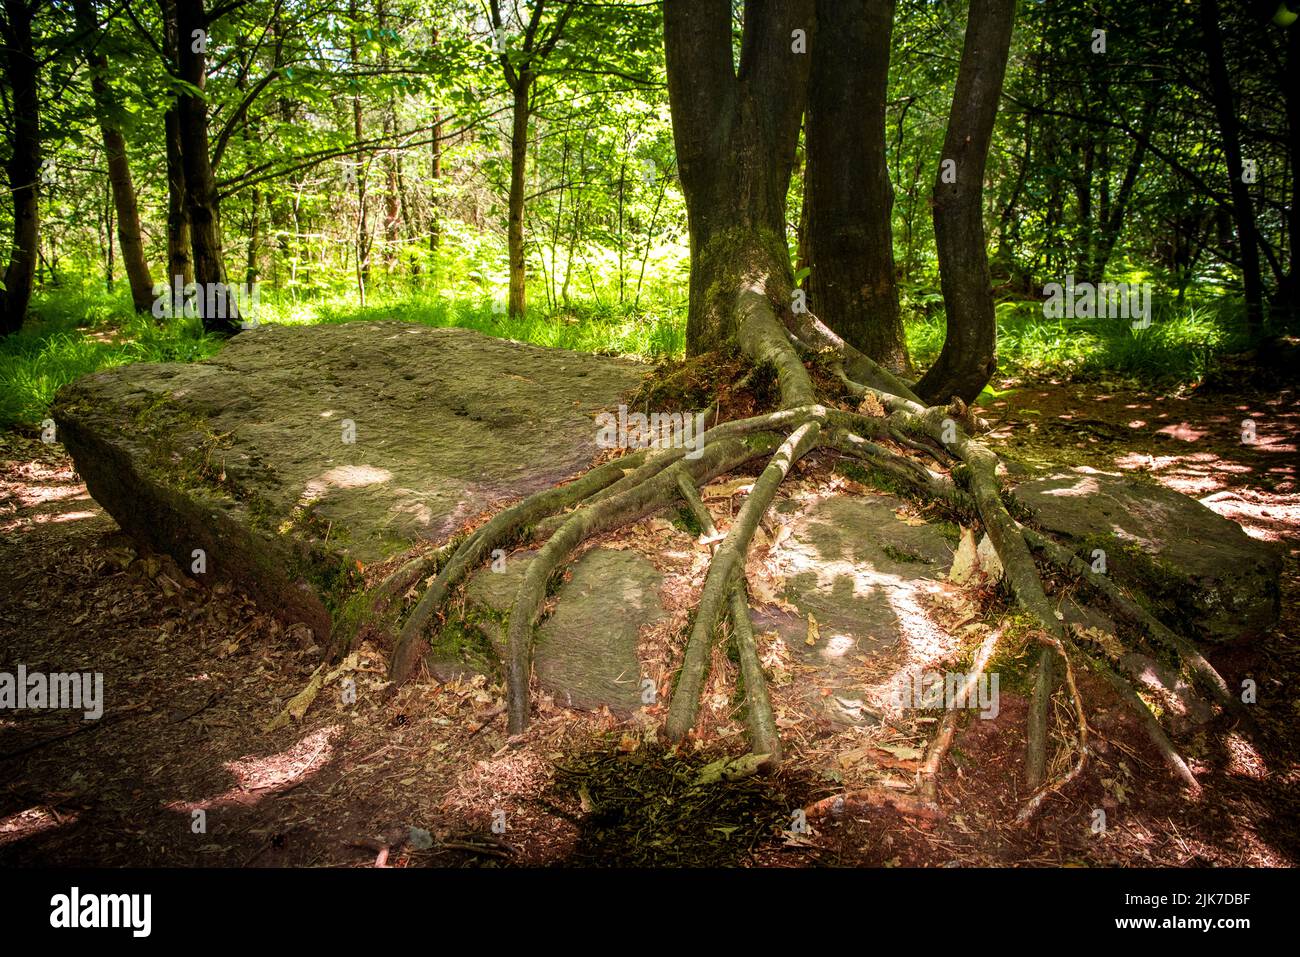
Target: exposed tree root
727 561
1151 725
475 549
759 719
928 776
1010 541
627 506
629 488
909 804
1081 753
1199 670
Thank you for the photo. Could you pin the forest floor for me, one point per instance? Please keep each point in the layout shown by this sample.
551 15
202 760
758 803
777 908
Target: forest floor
181 770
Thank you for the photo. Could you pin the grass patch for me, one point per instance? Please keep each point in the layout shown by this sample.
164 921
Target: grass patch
1181 345
72 333
581 327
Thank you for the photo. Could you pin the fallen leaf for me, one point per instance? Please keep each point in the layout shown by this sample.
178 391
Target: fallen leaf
965 561
813 632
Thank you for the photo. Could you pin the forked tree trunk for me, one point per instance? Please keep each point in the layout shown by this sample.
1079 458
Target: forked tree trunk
119 170
850 244
736 133
968 358
24 165
200 185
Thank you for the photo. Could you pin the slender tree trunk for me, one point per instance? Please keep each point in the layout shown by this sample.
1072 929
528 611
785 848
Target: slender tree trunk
1243 212
850 241
392 213
968 358
1112 220
107 236
435 169
24 165
254 231
363 224
518 166
179 264
219 311
119 170
180 267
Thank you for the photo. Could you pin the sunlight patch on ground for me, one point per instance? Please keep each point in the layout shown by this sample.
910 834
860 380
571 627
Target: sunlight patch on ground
260 777
344 476
35 820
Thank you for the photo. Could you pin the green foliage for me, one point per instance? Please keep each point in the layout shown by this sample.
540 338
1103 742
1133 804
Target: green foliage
1181 345
378 132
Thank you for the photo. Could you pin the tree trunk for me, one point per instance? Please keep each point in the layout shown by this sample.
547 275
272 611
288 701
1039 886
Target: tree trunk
363 244
119 170
254 230
435 166
392 174
180 267
736 133
1243 212
518 166
1112 219
219 311
24 165
850 242
968 358
179 264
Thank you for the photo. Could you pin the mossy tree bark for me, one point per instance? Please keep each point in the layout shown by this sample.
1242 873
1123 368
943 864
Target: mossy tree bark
735 129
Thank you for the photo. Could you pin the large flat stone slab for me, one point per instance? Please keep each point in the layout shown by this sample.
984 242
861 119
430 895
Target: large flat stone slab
1200 568
299 452
868 578
585 653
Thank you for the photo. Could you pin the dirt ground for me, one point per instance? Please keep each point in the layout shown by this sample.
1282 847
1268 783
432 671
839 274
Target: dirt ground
181 770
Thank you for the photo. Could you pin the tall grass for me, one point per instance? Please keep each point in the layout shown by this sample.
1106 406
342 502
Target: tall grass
75 331
1181 345
656 333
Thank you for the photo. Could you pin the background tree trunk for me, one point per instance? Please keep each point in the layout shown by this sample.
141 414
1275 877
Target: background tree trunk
850 242
180 267
24 166
119 170
200 186
179 263
518 166
968 358
1243 212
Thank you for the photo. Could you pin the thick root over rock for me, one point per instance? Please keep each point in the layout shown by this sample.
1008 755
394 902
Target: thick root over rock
967 484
